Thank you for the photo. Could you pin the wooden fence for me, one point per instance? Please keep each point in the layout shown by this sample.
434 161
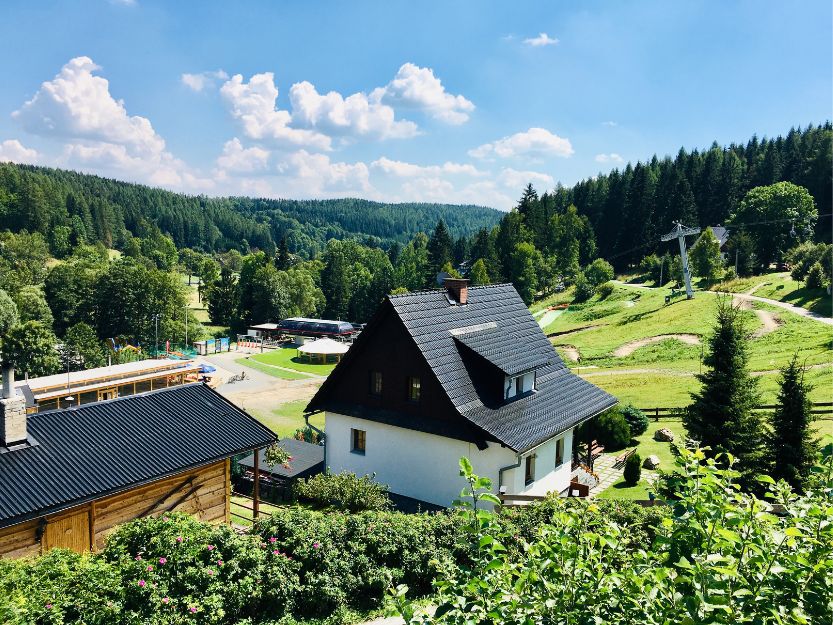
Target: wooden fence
818 408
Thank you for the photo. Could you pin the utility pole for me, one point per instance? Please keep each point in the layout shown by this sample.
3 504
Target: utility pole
661 267
680 232
186 326
156 336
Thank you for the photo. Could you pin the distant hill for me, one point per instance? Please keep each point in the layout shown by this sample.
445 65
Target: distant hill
101 209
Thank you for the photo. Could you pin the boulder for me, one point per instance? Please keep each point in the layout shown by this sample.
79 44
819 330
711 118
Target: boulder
664 435
651 462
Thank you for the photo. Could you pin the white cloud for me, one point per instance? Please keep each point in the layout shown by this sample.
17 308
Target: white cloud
355 115
613 157
252 104
409 170
417 87
543 39
514 179
237 159
314 174
611 124
124 3
533 142
12 150
78 105
198 82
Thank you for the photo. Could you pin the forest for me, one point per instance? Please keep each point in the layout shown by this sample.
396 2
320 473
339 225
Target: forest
72 208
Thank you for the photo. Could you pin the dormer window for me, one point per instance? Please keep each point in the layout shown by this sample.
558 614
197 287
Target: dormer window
516 386
519 385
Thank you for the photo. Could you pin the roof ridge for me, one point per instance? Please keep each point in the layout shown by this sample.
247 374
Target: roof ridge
440 289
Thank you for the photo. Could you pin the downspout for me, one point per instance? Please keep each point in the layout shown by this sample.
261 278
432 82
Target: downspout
506 468
323 437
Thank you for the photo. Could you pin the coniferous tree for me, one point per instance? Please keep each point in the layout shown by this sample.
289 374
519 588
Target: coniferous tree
792 445
221 297
440 248
721 415
282 259
479 274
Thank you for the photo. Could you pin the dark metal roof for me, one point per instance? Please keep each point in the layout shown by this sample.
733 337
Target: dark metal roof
103 448
306 459
495 324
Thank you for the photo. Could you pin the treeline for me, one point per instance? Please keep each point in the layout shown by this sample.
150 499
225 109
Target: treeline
630 209
71 208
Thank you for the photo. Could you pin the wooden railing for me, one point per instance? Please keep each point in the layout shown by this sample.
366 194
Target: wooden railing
657 413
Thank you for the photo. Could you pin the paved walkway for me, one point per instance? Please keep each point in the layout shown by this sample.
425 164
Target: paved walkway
608 475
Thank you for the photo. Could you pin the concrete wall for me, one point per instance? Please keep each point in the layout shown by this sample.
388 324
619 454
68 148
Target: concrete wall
425 466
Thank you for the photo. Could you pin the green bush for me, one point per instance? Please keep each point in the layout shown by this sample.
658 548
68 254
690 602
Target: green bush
176 565
583 289
815 277
343 491
348 560
598 272
604 290
635 418
633 469
612 430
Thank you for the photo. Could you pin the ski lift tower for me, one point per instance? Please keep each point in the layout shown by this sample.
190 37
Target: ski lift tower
680 232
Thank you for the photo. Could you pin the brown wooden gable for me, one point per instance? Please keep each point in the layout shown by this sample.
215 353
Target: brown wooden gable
386 346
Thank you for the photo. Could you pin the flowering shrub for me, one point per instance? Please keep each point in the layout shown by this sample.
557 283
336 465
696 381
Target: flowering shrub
177 565
343 491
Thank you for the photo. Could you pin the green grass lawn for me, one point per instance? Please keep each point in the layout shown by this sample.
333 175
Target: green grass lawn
288 357
273 371
780 286
287 418
239 506
648 446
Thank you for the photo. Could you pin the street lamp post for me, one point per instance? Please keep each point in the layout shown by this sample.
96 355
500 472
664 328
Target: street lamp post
156 335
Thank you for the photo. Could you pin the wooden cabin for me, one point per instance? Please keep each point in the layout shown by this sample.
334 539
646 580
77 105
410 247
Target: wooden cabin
68 477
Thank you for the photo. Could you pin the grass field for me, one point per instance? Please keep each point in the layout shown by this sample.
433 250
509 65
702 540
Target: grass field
273 371
662 373
287 418
780 286
288 357
648 446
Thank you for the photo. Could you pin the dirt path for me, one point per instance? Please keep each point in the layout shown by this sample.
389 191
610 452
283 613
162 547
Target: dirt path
628 348
571 351
581 371
769 322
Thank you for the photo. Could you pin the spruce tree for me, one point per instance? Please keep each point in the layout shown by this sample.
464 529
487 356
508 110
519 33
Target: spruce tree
721 415
792 445
440 249
282 259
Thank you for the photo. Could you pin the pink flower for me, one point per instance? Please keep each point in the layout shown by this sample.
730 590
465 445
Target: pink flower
273 540
193 610
48 606
315 545
210 572
179 539
219 563
210 547
139 557
150 567
276 552
163 560
166 600
141 583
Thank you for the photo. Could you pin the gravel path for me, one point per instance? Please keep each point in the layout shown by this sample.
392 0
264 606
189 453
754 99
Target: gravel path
548 317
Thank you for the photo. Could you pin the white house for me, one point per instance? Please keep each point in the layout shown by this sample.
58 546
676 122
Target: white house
441 374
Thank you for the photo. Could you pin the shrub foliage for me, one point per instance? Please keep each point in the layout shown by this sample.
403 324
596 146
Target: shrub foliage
343 491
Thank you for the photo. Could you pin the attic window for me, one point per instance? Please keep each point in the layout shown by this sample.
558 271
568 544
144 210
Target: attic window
376 383
529 470
414 389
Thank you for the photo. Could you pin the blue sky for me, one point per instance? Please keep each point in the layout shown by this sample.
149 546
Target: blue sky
433 101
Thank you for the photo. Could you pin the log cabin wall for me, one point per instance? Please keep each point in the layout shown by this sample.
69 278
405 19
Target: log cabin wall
202 492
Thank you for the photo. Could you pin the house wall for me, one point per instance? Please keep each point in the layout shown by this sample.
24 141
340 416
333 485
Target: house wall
202 492
425 466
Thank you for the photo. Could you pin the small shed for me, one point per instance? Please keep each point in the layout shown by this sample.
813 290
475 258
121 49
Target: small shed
322 349
307 460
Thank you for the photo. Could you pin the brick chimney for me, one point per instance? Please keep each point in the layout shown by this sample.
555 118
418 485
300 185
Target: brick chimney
458 289
12 412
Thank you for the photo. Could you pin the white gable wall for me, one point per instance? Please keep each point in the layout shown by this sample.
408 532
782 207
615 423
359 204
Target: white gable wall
426 466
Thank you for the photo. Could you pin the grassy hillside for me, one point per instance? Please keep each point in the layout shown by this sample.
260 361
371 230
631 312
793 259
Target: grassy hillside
780 286
647 352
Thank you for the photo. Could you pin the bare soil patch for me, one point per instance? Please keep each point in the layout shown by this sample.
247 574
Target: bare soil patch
628 348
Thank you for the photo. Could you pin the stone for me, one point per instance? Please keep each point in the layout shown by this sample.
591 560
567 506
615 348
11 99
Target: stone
664 435
651 462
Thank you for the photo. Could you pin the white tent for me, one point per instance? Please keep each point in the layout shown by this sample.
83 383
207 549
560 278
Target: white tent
323 348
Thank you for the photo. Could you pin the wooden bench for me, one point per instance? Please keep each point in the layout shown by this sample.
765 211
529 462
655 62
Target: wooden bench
596 450
623 457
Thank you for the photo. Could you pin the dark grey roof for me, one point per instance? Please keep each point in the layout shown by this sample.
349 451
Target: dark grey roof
497 326
721 234
107 447
306 458
502 348
561 399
